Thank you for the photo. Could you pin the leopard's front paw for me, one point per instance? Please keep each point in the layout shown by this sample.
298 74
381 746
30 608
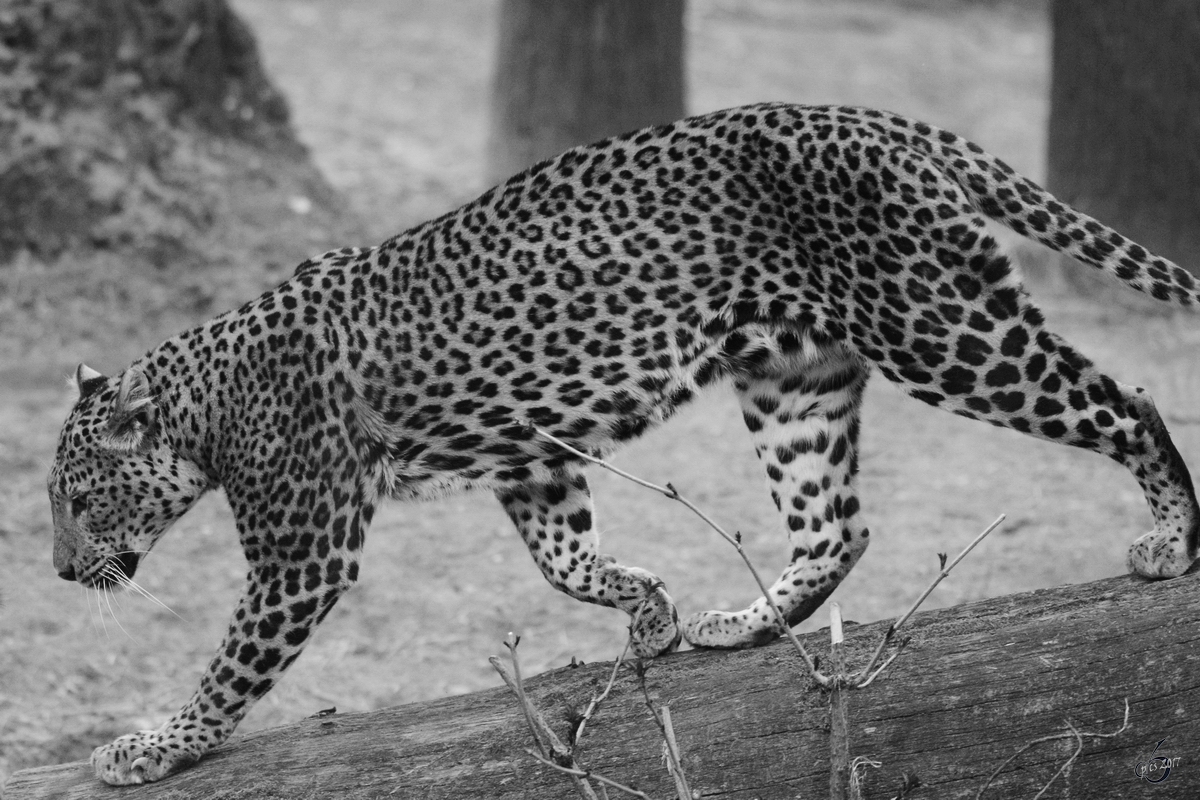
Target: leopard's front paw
142 757
1159 555
730 630
654 629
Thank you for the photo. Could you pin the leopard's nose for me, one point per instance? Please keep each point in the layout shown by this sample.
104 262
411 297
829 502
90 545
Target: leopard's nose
67 574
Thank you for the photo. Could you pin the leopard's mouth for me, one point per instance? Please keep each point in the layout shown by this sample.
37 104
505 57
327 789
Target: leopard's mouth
116 570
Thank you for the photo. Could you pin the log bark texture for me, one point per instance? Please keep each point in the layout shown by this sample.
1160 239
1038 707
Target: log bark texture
975 683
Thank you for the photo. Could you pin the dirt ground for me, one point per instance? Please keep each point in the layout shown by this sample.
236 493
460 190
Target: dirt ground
390 97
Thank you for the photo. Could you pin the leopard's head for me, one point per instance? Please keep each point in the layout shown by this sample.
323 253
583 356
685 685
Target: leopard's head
116 484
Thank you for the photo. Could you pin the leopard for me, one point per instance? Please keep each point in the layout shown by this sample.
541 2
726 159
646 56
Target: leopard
785 250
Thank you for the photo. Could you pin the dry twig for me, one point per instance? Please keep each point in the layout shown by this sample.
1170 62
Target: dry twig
674 760
545 738
596 700
584 774
670 748
839 724
554 753
1071 733
553 750
865 676
844 781
735 541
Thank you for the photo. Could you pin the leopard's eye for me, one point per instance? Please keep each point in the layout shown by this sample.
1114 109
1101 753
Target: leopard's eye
78 504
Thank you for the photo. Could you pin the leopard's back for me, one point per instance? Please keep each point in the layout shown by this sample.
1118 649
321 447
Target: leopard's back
597 291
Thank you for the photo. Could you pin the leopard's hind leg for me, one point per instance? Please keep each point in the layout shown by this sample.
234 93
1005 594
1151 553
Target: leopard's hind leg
990 358
805 431
556 520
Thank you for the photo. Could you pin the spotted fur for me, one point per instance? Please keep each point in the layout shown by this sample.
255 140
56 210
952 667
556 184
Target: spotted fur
786 249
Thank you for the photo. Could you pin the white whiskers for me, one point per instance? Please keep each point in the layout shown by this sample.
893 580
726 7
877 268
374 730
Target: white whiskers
106 582
88 605
119 578
108 596
100 609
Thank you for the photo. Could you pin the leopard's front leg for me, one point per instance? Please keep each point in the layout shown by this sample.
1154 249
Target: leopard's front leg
556 520
295 581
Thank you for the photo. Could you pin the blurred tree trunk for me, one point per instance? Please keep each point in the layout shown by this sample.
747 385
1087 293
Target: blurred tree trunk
135 125
569 72
1125 120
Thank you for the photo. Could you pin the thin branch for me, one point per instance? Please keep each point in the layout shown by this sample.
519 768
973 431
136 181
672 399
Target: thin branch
671 493
1071 733
946 571
861 679
554 753
864 684
674 763
670 746
537 726
585 774
542 733
600 698
839 724
674 760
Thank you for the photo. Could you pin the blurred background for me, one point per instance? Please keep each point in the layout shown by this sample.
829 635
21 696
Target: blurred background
164 160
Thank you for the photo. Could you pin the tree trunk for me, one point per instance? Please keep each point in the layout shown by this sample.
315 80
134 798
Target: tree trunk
569 72
1125 120
135 125
974 685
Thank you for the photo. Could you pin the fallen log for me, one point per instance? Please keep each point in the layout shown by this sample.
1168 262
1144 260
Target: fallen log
974 685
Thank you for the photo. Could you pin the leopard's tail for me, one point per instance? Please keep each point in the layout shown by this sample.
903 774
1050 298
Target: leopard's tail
999 192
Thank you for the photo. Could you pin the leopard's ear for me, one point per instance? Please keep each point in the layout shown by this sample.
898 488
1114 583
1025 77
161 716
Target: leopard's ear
87 381
132 415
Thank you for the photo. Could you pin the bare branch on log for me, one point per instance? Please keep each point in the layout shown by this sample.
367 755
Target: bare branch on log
975 680
735 541
1072 733
864 677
